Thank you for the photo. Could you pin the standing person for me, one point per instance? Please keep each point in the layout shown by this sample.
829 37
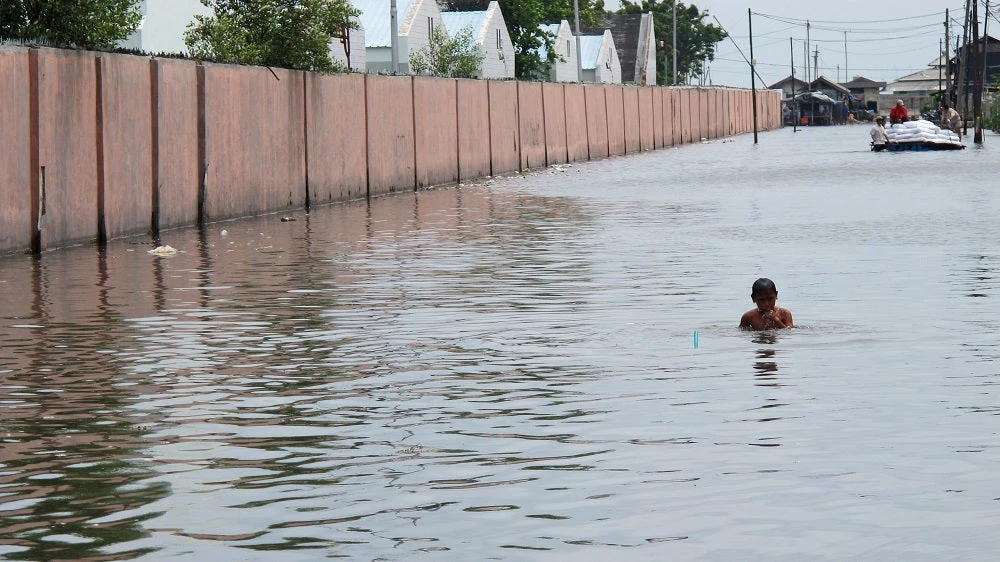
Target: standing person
766 316
898 113
951 120
879 138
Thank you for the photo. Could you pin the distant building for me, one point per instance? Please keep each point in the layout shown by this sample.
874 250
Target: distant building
635 43
865 92
163 25
789 86
599 59
415 19
564 68
915 89
490 32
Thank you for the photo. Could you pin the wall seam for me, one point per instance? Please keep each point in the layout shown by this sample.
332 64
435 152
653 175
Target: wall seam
33 153
154 134
102 232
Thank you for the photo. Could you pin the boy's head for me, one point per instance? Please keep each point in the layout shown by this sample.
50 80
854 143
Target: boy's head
764 294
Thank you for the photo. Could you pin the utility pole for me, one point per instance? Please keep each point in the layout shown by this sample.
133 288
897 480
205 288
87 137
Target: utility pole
847 77
962 73
579 55
940 53
795 112
393 37
807 53
816 64
673 49
982 78
977 90
753 82
947 54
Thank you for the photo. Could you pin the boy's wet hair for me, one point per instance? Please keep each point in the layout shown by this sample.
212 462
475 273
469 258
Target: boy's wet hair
762 285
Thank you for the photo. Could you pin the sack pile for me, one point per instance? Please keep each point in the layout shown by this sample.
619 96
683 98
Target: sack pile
920 132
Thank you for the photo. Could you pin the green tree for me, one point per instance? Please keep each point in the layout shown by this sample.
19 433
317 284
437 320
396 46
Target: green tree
283 33
457 56
696 40
84 24
524 19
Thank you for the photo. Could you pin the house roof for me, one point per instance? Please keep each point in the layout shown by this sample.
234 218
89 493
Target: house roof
824 81
455 22
625 30
590 50
861 82
780 83
377 22
926 80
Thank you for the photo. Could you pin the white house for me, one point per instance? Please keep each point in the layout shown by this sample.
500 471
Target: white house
414 21
635 43
351 49
490 32
600 59
163 25
564 67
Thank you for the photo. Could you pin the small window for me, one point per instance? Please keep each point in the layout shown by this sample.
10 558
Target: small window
567 48
430 26
499 41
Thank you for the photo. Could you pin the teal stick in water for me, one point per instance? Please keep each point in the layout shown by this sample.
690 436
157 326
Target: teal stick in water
696 339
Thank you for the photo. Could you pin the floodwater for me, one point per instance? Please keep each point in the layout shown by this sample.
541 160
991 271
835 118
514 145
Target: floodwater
507 370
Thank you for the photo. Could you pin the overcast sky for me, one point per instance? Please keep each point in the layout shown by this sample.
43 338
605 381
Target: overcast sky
885 39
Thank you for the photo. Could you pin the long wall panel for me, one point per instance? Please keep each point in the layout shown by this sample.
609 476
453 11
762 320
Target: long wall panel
176 163
630 108
128 141
554 104
505 142
254 141
646 119
577 123
473 129
390 134
67 153
435 115
616 119
659 140
15 158
337 138
531 120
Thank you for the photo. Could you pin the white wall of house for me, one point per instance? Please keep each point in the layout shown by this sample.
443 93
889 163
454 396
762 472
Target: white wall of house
496 44
415 29
645 60
414 20
565 46
600 59
163 25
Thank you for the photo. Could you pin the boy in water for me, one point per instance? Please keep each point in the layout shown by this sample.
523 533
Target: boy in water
766 316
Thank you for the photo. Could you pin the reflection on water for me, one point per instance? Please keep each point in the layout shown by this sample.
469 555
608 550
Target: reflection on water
506 370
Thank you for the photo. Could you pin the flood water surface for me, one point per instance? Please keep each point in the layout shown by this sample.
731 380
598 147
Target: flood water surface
507 370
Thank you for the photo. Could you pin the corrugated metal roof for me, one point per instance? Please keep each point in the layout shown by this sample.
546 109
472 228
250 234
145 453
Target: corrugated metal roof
590 50
377 22
455 22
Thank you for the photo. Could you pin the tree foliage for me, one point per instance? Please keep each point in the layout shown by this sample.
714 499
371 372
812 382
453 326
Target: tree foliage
85 24
457 56
524 19
283 33
696 39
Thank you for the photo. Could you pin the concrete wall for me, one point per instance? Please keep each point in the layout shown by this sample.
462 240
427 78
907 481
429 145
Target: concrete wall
474 155
531 120
577 123
337 161
15 158
554 104
254 141
390 134
175 162
127 163
101 146
435 124
505 147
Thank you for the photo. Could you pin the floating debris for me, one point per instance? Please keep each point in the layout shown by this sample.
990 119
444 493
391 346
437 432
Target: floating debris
163 251
287 219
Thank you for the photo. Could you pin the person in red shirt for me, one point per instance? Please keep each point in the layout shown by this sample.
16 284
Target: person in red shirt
898 113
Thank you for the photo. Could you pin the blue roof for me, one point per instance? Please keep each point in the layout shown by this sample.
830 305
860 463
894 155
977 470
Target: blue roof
590 50
376 20
455 22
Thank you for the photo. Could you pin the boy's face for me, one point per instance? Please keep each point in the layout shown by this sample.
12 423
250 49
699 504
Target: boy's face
765 301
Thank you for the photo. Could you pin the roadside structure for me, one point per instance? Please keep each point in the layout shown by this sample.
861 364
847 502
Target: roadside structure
490 32
915 89
635 43
564 67
599 59
163 25
415 19
865 92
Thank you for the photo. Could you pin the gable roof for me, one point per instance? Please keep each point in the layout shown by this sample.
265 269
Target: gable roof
800 84
377 22
590 50
861 82
824 81
625 30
